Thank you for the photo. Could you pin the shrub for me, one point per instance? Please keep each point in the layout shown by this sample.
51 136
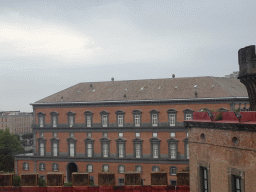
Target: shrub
69 184
41 182
16 181
219 117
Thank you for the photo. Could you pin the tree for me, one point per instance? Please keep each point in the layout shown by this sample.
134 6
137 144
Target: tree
27 136
9 146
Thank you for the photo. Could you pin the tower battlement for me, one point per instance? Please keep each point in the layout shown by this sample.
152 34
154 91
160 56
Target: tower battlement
247 60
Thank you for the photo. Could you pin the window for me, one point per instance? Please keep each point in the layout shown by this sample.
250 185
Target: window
105 150
188 114
54 135
154 120
89 135
105 168
88 118
121 181
154 134
41 149
137 118
55 149
25 166
104 118
187 150
155 150
120 134
236 183
71 119
89 147
120 118
89 150
71 135
71 149
138 168
41 134
105 147
120 150
172 134
172 117
54 116
121 169
89 168
137 150
55 167
173 148
155 168
41 119
137 134
204 179
41 167
173 170
105 135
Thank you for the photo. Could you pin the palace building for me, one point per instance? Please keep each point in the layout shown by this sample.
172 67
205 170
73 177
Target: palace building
124 126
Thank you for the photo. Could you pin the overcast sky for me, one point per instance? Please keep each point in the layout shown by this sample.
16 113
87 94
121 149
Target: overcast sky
49 45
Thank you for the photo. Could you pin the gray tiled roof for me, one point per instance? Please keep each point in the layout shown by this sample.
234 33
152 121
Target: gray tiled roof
150 89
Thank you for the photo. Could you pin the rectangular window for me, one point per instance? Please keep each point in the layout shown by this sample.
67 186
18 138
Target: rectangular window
172 119
187 150
121 182
55 167
89 121
104 120
173 151
137 151
89 150
105 168
120 119
137 134
72 149
188 116
54 135
41 149
120 134
41 121
71 121
105 135
41 134
236 183
137 120
89 168
71 134
155 150
105 150
121 169
154 134
121 150
89 135
26 166
42 167
55 149
154 120
204 179
172 134
138 168
54 121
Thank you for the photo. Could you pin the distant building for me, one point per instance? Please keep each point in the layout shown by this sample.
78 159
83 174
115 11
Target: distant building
18 122
123 126
234 74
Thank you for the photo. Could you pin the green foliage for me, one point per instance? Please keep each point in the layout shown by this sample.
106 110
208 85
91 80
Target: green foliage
91 183
69 184
9 146
237 110
16 181
219 116
41 182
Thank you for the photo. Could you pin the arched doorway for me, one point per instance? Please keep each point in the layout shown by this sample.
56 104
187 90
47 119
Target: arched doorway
71 167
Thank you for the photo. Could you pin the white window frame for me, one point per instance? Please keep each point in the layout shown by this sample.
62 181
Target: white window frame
89 121
105 168
137 150
105 135
137 120
89 135
71 120
121 169
41 121
55 167
41 148
188 116
138 169
104 120
89 168
154 120
154 135
42 167
172 119
26 166
155 169
155 150
187 148
89 149
105 149
71 149
120 134
55 149
173 170
120 120
172 134
137 134
121 150
54 121
173 151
